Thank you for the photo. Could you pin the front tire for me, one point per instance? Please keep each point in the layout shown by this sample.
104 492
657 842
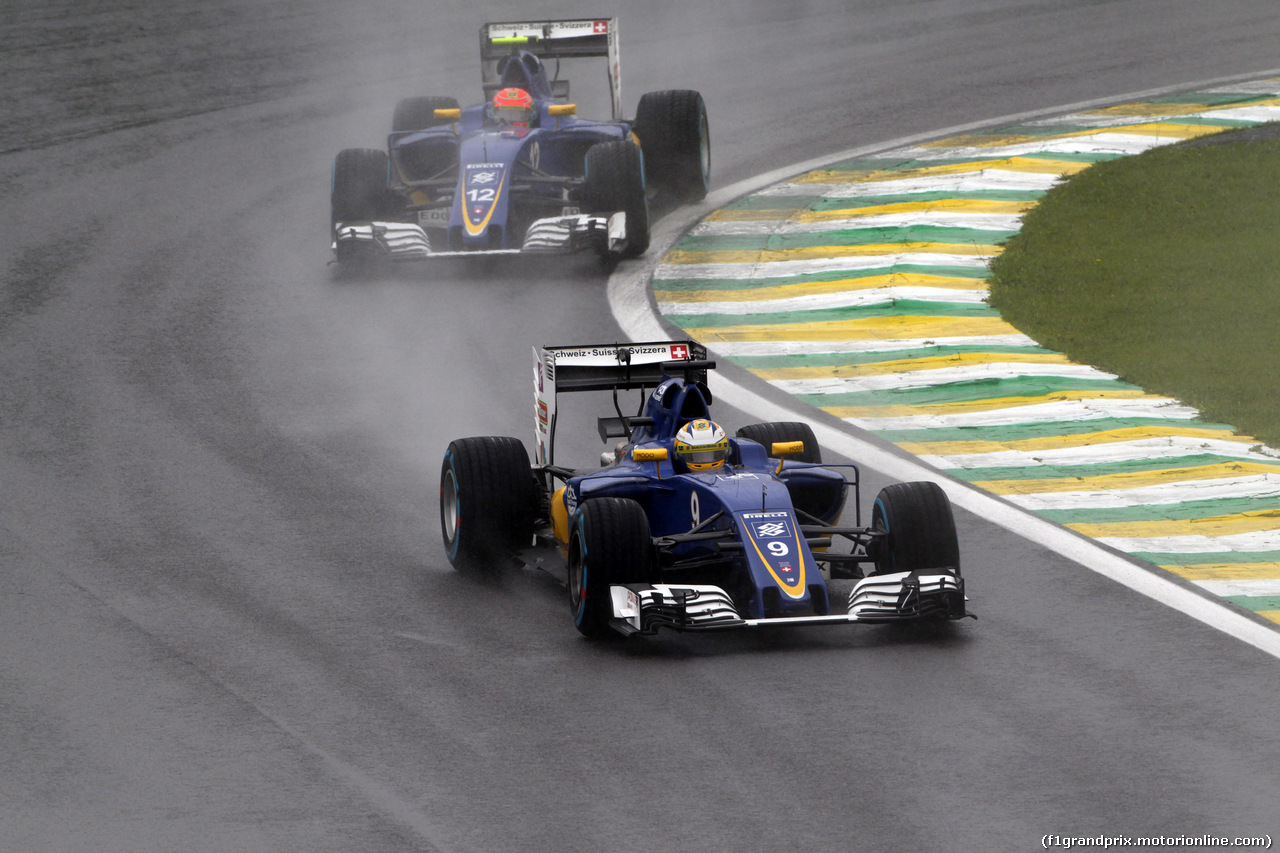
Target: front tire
615 181
918 530
676 138
488 500
609 544
358 191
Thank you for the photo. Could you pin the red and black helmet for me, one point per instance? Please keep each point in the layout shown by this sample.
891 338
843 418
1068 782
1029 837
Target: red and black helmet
513 107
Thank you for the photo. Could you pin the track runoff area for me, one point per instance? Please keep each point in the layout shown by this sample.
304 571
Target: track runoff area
857 285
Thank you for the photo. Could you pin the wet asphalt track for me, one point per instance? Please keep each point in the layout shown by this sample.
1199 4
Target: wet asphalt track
226 621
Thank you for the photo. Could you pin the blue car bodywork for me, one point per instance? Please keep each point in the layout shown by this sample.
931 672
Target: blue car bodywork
456 181
482 186
748 545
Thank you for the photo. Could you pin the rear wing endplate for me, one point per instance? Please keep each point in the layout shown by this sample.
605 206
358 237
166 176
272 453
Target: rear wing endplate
606 367
552 40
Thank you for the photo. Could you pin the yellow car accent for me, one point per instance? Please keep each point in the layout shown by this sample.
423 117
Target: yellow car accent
560 520
795 591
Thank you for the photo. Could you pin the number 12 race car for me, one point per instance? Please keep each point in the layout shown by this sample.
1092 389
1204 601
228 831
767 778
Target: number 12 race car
521 172
685 528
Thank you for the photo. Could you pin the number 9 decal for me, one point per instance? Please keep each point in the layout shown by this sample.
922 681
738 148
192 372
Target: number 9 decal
778 549
694 509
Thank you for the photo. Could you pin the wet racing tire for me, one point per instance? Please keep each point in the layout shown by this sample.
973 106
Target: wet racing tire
359 188
768 433
918 530
615 181
419 112
609 543
488 502
676 138
816 499
359 193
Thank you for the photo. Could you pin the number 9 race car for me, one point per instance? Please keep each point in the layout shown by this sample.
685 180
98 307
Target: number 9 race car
685 528
521 172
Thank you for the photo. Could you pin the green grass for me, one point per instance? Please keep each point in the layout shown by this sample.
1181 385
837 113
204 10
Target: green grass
1163 268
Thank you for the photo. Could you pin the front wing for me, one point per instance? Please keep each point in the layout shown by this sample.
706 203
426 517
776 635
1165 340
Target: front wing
897 597
405 241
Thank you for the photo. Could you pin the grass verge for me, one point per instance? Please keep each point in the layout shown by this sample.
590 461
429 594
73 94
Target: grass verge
1163 268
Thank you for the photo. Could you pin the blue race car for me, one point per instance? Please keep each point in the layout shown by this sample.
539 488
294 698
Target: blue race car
521 172
683 527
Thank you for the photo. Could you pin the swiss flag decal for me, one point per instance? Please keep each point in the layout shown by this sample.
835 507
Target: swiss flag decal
679 351
601 27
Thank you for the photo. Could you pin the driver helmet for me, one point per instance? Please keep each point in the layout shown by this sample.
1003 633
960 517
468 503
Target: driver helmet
513 107
702 445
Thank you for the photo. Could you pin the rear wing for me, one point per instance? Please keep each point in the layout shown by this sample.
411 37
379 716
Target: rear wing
606 367
552 40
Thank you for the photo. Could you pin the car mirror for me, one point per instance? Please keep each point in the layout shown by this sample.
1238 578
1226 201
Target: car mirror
649 454
448 114
780 449
558 110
